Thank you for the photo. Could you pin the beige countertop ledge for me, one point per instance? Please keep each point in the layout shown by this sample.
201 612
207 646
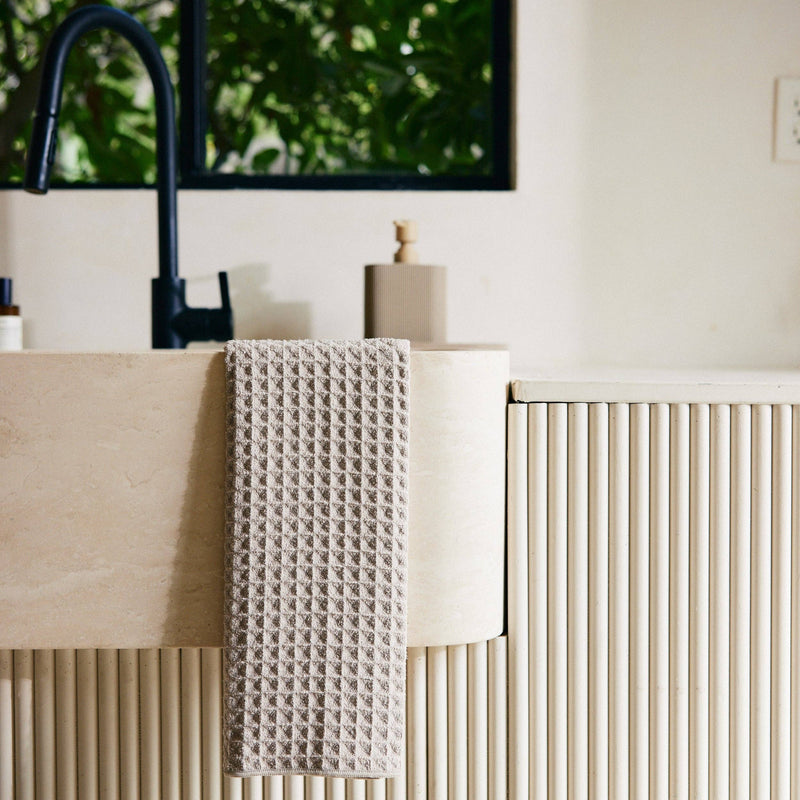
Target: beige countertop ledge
612 385
112 472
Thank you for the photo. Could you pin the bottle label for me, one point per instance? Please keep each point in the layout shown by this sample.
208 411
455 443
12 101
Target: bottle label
10 333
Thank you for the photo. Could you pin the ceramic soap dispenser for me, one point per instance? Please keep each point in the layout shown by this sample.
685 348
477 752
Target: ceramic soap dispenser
406 299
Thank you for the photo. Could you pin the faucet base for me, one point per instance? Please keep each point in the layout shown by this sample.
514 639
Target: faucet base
169 301
175 324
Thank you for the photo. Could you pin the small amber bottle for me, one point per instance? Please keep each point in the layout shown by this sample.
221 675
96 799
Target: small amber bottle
10 319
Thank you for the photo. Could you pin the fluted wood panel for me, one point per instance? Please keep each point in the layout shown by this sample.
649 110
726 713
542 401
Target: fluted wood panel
147 724
663 594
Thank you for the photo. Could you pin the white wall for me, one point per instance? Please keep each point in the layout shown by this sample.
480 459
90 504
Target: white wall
690 248
650 226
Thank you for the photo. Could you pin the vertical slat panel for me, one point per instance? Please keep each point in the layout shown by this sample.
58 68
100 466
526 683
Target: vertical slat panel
253 789
211 666
232 788
190 723
171 727
66 726
437 723
498 735
416 723
44 721
129 724
150 720
659 601
719 603
23 725
679 602
740 604
795 667
108 722
698 752
780 738
517 562
639 758
457 722
618 607
294 788
354 790
315 788
88 779
537 600
376 790
273 787
334 789
577 601
477 722
760 597
6 725
557 600
598 684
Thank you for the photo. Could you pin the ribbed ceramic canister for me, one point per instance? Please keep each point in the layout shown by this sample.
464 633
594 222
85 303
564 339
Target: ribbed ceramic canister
405 301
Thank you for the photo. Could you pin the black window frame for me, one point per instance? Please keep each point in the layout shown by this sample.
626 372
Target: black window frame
192 125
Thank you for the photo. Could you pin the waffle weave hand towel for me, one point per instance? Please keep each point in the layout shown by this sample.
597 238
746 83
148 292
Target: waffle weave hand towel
315 557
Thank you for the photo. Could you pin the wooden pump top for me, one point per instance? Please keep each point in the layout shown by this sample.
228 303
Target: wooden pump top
406 234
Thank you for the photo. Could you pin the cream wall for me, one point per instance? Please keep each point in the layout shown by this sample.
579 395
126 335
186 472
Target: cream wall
650 226
690 247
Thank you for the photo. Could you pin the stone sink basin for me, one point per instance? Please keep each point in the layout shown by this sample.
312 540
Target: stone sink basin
112 498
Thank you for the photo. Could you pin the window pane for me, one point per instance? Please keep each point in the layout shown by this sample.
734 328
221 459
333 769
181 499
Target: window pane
294 87
342 87
107 120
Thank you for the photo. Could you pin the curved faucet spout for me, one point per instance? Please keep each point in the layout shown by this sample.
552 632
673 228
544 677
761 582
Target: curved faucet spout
43 139
174 323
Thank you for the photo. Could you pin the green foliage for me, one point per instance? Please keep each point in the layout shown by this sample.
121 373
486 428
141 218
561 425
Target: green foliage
107 121
294 86
343 86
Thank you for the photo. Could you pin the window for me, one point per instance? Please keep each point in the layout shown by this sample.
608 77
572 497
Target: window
276 93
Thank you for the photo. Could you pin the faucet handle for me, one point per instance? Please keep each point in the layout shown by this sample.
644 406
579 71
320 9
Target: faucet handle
175 324
223 290
222 318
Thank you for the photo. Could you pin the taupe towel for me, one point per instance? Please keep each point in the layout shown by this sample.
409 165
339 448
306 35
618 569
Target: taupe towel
315 557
